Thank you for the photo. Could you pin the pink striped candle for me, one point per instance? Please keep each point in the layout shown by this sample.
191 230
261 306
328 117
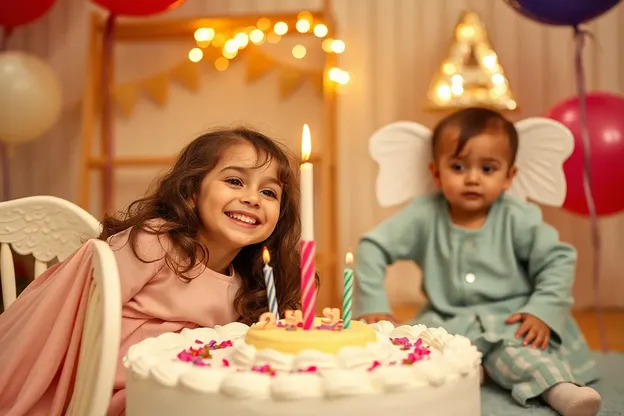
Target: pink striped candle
308 245
308 283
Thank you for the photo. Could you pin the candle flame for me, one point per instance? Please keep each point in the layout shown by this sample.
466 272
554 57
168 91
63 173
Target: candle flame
266 256
349 258
306 143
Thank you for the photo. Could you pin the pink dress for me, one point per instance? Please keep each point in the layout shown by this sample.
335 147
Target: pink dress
40 332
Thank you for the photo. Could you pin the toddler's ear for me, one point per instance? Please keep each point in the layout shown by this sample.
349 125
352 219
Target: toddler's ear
510 177
435 173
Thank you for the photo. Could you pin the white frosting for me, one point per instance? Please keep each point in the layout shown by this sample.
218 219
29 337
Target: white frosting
343 375
297 386
247 385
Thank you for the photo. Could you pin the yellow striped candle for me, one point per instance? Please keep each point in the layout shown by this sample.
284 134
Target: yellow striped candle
347 297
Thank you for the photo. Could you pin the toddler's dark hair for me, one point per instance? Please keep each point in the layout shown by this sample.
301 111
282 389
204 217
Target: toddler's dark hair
474 121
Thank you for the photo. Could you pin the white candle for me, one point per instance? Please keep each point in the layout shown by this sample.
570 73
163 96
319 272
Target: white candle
307 187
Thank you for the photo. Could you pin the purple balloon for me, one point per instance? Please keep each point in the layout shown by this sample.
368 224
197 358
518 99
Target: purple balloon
561 12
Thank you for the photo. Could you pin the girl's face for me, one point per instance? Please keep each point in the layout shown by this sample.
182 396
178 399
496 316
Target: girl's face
238 202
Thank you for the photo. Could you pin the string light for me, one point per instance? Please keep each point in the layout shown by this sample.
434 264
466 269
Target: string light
302 26
339 76
242 39
305 15
264 23
256 36
326 45
204 34
231 42
195 55
320 30
337 46
299 51
280 28
221 63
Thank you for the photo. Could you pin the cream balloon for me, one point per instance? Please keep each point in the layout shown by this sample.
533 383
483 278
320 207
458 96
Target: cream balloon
30 97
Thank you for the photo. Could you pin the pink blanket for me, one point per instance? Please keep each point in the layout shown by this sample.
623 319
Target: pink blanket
40 338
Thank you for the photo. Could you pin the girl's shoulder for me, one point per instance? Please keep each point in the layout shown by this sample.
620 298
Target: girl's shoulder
151 241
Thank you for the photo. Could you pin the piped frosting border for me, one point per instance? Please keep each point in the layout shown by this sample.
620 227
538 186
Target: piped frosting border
354 371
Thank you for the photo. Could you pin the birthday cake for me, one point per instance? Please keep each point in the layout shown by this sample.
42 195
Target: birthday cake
280 369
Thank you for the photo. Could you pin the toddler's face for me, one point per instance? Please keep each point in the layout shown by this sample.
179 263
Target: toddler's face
239 202
473 180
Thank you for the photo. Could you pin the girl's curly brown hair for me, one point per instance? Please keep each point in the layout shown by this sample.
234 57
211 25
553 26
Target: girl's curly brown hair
170 201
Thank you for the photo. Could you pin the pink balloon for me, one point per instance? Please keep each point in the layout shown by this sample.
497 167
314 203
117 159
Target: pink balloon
605 114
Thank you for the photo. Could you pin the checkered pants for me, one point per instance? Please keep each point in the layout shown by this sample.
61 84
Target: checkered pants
526 371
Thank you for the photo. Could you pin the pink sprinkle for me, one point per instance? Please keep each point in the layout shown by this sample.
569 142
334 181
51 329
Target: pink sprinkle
198 341
225 362
311 369
374 366
418 342
185 356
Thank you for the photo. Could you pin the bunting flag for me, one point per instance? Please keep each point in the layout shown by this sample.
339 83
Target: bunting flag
125 95
290 79
157 87
188 74
258 64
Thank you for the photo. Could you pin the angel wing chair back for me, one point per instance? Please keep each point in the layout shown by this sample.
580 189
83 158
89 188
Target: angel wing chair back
101 337
403 151
45 227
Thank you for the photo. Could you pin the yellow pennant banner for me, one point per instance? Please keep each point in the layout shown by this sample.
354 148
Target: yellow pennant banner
187 74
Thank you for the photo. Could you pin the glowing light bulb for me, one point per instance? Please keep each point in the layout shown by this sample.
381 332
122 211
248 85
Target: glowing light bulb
204 34
338 76
448 68
264 23
231 46
242 39
337 46
302 26
320 30
299 51
280 28
444 92
221 63
256 36
195 55
498 79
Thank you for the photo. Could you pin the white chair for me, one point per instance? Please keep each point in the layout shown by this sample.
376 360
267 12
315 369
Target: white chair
101 338
46 227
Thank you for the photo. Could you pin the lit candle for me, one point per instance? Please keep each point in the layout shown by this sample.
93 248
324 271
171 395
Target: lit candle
347 297
308 246
307 187
269 280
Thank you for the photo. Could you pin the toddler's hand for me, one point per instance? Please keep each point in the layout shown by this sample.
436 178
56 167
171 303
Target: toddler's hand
372 318
532 329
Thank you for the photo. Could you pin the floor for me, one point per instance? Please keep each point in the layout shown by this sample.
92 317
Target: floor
587 320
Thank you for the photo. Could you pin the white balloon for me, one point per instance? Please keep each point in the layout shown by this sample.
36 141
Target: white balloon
30 97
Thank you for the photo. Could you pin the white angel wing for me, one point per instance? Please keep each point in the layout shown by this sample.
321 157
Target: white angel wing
403 151
544 145
45 226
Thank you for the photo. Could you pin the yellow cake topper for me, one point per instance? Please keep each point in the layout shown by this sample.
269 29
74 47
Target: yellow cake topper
471 74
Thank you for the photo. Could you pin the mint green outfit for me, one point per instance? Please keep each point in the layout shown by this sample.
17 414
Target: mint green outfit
475 279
